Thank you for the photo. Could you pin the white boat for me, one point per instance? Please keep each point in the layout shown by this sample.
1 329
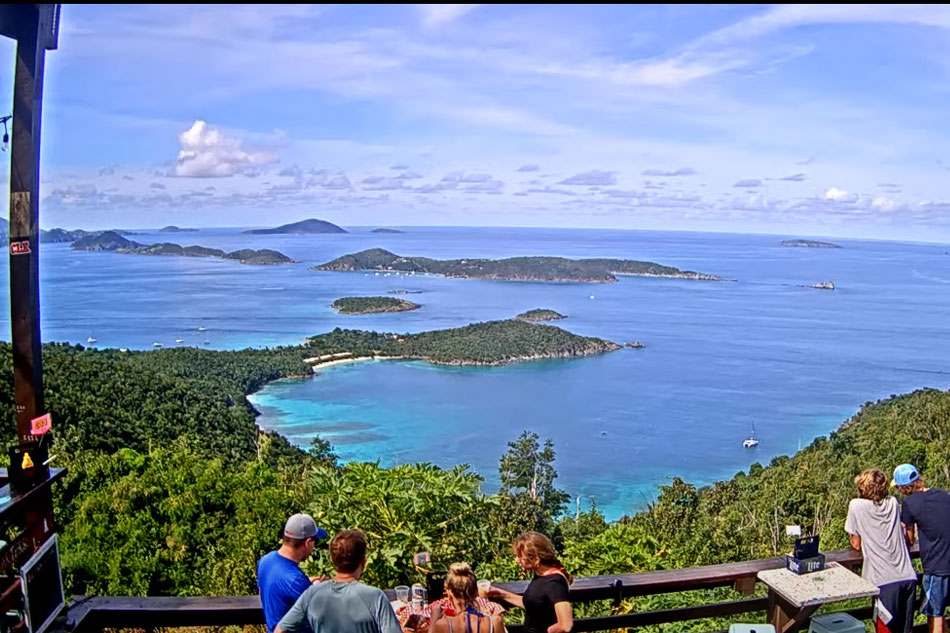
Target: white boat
156 344
751 442
91 339
179 340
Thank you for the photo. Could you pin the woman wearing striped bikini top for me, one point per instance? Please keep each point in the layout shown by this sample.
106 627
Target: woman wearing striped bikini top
461 587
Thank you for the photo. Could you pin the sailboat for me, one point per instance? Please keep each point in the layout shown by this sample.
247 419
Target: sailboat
751 442
92 338
179 340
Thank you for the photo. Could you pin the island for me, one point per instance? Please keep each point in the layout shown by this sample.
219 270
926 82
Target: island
372 305
386 231
824 285
402 291
809 244
65 236
113 242
489 343
176 229
540 315
556 269
304 227
634 344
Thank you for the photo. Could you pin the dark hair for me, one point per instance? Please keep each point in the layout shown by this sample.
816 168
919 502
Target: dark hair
872 484
535 546
347 550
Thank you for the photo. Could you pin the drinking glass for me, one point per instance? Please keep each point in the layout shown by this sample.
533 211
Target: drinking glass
402 594
483 587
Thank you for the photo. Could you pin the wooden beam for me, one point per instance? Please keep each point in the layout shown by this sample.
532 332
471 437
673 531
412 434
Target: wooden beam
24 222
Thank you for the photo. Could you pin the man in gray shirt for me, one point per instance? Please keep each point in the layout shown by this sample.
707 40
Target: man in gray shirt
875 528
342 604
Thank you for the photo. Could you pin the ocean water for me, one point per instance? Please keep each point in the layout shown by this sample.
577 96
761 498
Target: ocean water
761 347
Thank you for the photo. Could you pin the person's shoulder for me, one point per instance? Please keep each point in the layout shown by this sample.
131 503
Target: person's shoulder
369 590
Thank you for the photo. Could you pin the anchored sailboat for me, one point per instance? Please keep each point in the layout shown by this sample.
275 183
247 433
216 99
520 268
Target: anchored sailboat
751 442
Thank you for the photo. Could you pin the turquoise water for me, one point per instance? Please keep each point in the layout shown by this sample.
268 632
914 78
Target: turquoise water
761 348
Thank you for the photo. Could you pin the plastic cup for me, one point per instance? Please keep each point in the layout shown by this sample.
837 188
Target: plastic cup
402 593
483 587
418 597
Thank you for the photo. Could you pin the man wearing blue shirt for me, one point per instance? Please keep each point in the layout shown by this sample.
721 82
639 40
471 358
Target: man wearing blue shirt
279 578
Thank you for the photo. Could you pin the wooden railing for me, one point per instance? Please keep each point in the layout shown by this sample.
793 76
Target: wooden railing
98 613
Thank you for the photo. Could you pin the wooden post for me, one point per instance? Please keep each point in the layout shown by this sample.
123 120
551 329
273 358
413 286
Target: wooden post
35 28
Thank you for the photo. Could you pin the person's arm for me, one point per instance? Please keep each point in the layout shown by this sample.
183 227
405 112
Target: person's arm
855 542
385 616
565 618
851 528
910 533
295 621
507 596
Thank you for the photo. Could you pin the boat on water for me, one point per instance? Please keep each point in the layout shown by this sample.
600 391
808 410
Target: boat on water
179 339
156 344
751 441
92 339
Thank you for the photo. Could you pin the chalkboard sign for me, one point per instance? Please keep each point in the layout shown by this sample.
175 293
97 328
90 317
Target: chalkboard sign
42 587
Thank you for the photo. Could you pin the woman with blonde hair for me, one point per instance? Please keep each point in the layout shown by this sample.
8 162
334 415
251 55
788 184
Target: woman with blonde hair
875 528
461 587
546 601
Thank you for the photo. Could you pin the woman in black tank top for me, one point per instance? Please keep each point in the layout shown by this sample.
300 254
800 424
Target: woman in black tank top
546 601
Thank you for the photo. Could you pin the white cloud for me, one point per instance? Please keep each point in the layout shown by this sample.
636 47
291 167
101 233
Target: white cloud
593 177
839 195
438 14
682 171
748 182
207 153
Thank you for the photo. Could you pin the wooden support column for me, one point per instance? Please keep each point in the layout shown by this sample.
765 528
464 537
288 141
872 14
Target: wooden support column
35 28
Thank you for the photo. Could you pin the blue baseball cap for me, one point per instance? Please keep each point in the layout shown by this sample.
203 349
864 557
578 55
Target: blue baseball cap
905 475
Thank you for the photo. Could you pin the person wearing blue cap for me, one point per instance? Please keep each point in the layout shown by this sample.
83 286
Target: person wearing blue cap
279 578
926 512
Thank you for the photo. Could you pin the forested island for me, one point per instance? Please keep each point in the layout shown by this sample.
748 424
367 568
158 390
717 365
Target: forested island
304 227
540 315
371 305
489 343
511 269
111 241
809 244
171 228
66 236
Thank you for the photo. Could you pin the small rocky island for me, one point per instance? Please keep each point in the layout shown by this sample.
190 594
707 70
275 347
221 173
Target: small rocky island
540 315
386 231
557 269
490 343
310 226
824 285
372 305
113 242
176 229
809 244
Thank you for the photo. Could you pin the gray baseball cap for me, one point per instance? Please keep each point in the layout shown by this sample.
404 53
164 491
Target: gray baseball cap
301 526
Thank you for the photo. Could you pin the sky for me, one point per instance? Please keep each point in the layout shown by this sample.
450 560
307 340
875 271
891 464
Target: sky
789 119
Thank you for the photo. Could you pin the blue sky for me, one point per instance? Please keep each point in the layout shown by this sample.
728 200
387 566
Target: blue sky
813 120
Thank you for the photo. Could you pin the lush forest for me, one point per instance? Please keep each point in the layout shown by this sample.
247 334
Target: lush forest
173 490
370 305
512 268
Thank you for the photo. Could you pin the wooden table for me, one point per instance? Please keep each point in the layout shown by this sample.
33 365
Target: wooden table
793 598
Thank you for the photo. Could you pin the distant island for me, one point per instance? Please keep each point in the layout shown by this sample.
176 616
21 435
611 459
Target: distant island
540 315
511 269
386 231
371 305
175 229
809 244
490 343
62 236
112 241
402 291
304 227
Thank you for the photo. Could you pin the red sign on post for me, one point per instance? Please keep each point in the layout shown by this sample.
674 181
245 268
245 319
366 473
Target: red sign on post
20 248
41 425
